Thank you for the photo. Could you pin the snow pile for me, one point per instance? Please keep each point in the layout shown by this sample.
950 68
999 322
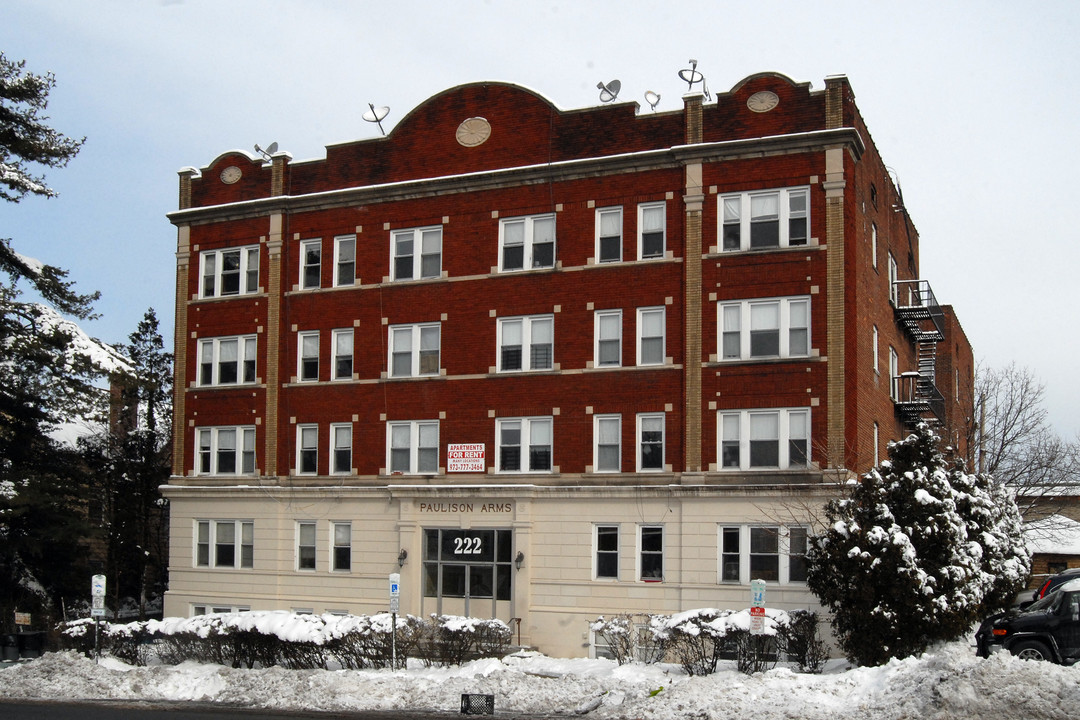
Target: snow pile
948 682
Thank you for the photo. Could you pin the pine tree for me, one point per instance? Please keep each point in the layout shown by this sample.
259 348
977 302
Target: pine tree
915 553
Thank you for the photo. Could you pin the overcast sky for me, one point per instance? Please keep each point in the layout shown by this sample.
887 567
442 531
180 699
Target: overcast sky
973 104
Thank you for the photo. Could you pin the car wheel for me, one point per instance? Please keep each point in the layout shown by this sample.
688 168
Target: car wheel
1031 650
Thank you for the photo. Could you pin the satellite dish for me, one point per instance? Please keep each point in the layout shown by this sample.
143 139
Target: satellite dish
609 91
376 115
652 98
270 150
691 77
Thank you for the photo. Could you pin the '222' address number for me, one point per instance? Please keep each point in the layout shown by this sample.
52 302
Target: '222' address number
468 546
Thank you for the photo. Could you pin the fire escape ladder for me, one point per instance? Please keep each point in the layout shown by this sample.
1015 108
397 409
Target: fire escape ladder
918 312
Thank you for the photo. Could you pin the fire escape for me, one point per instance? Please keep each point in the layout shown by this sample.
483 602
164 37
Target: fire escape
915 393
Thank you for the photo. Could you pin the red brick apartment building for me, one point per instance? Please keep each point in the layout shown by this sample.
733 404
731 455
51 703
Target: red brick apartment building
544 364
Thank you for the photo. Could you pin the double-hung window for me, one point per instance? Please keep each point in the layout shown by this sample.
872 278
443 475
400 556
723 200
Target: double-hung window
776 328
305 546
764 439
225 451
526 343
607 552
227 361
307 364
414 350
609 234
344 260
232 271
523 445
874 348
224 543
651 555
607 450
343 353
527 243
650 340
341 448
416 253
413 447
766 219
894 374
894 278
607 329
307 449
775 554
341 551
310 264
651 221
650 441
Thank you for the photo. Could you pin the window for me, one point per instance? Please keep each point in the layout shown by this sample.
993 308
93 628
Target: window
650 441
414 350
607 449
761 220
607 552
341 551
894 277
651 231
305 546
344 260
227 361
307 365
413 447
224 543
416 253
874 349
523 445
607 328
609 234
651 543
343 354
873 245
341 449
310 264
774 554
877 444
765 329
527 243
650 350
233 271
759 439
225 451
307 449
894 374
534 333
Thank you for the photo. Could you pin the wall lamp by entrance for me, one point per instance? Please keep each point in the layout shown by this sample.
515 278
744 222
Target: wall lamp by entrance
402 556
519 559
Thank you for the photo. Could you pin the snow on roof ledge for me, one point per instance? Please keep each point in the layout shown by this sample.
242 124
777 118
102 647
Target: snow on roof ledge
1053 535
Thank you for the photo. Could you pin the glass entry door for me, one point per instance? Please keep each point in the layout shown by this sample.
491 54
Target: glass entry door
468 572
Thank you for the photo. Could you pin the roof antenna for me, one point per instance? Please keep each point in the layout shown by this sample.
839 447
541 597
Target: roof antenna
652 98
691 77
609 91
376 115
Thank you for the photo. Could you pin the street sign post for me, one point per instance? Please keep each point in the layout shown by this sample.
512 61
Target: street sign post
97 608
757 607
395 594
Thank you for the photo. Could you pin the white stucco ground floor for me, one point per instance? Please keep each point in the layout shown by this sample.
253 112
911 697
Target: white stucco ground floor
547 560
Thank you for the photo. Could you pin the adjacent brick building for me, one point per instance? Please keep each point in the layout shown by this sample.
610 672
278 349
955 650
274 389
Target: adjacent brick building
544 364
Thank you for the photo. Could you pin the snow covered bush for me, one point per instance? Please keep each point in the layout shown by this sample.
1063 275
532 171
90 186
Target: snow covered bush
365 641
801 643
699 638
628 638
451 639
915 553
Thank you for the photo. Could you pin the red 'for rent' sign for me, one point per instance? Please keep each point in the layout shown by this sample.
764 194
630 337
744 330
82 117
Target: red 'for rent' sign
465 457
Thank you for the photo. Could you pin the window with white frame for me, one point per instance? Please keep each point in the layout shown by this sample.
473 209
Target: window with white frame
764 219
523 445
775 554
225 450
310 264
651 552
894 374
307 364
774 328
305 546
894 277
764 439
527 243
650 442
873 245
341 550
413 447
227 361
203 609
526 343
343 353
651 221
307 449
224 543
416 253
607 329
607 552
874 349
877 444
231 271
414 350
650 336
609 234
341 448
607 445
344 260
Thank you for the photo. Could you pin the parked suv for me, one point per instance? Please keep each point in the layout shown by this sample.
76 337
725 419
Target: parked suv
1048 629
1054 580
